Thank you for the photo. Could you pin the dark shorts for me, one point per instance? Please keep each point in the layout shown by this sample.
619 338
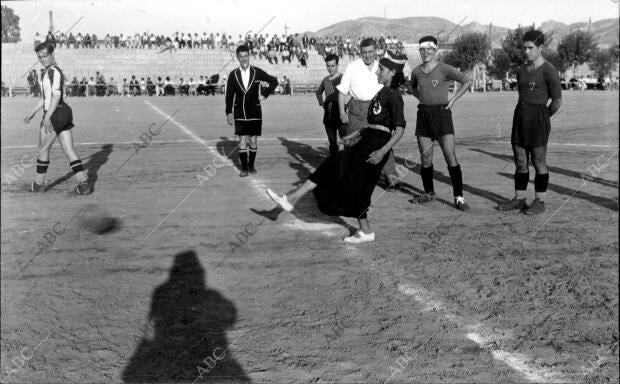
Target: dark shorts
62 118
531 125
434 121
248 128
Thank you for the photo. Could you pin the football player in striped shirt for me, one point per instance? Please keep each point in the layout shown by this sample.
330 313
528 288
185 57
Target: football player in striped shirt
57 122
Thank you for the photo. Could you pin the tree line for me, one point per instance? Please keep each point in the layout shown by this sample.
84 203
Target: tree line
574 49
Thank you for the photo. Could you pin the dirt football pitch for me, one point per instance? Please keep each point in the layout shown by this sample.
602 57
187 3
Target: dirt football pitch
176 270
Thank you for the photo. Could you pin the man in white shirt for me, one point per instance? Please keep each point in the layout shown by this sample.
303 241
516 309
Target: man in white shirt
192 86
360 83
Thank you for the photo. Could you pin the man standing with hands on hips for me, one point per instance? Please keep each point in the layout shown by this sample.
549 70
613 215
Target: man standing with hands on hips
430 83
243 97
360 83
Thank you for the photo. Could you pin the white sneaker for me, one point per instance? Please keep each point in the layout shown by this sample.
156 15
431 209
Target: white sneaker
360 237
281 201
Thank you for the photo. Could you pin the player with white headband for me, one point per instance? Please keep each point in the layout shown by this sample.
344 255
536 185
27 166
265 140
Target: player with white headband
430 83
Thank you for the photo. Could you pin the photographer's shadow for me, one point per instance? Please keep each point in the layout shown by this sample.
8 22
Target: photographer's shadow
189 343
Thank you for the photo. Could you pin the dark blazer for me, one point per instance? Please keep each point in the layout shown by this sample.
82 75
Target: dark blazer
245 101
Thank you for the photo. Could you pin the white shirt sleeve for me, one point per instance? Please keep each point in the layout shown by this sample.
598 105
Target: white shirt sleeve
345 83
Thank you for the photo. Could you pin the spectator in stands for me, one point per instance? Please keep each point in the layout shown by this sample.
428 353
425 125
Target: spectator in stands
262 51
101 86
218 40
74 87
159 87
192 86
168 87
50 37
83 88
70 40
116 41
61 40
94 41
125 88
189 41
183 87
142 86
150 87
272 55
87 41
107 41
286 86
112 88
78 40
153 41
203 40
285 55
134 86
119 87
200 86
211 41
90 86
34 88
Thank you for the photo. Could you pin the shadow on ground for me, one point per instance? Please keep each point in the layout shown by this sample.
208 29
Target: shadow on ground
92 166
189 343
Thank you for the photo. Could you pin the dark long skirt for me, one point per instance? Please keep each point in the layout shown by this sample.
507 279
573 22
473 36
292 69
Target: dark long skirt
345 181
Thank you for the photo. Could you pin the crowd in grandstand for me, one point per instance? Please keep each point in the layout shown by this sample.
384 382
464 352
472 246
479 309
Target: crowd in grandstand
274 48
98 86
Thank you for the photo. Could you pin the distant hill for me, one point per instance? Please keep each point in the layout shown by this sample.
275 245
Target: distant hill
411 29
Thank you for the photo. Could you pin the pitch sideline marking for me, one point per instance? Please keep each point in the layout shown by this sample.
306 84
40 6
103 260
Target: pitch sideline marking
477 333
257 184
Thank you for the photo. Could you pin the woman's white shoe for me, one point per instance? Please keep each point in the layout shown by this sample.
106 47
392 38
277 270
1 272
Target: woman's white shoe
281 201
360 237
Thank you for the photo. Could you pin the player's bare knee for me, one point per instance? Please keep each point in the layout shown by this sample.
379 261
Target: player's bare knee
541 168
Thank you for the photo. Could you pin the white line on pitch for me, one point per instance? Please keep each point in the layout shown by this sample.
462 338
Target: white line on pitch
477 333
257 184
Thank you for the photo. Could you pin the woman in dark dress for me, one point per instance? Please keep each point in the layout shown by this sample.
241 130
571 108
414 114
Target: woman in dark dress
344 182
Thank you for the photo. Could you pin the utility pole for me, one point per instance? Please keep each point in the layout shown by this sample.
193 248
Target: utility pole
51 22
286 28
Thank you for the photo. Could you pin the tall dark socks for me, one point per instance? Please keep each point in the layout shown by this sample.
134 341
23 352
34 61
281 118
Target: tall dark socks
252 153
243 157
427 179
457 180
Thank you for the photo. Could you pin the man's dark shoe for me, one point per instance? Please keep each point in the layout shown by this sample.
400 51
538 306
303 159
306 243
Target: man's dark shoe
512 204
243 173
461 204
537 207
252 170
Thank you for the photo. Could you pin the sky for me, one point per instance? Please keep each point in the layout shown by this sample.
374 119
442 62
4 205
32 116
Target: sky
239 16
